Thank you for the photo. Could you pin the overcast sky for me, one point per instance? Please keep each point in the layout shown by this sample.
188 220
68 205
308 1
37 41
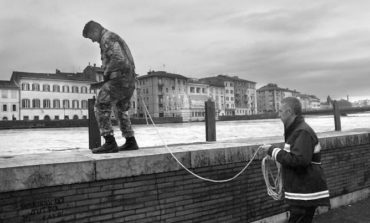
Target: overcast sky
315 47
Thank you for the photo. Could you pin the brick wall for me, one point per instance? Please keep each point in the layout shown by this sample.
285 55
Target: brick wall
177 196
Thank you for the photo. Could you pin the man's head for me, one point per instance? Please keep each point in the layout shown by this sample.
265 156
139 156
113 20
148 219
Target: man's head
92 30
290 108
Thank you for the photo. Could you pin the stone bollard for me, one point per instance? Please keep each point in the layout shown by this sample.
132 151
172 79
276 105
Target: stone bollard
210 119
94 133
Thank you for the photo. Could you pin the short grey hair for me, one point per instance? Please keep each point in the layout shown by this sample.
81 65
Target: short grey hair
294 104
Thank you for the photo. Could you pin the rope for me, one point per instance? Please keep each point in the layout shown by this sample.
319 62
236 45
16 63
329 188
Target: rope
270 189
276 190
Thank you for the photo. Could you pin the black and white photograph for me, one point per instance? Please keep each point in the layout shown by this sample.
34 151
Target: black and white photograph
145 111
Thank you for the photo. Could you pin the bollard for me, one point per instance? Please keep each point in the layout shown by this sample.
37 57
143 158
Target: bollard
336 112
94 133
210 119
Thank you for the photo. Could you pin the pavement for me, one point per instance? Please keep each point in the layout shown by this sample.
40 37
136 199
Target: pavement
358 212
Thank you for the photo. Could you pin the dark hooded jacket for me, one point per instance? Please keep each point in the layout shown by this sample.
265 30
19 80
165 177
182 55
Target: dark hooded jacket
304 182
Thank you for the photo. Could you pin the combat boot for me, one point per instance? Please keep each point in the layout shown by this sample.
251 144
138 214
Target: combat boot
130 144
110 146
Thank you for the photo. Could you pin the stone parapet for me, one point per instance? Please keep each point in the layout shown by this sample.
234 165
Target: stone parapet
59 168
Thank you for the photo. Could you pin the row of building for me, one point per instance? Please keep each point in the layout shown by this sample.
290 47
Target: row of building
45 96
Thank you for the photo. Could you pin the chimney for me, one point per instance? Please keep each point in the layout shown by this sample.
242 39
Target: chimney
57 71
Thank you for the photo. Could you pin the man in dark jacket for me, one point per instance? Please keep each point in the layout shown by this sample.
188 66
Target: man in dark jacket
118 87
304 182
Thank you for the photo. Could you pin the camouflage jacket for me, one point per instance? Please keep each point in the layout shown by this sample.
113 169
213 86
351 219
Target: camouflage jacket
115 53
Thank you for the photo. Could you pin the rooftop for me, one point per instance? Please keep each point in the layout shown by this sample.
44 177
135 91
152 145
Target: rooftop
17 75
8 85
270 87
162 74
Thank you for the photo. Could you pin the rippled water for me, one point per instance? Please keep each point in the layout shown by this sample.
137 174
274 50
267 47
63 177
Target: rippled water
22 141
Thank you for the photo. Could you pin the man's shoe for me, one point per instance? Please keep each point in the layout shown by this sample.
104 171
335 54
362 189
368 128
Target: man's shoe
110 147
130 144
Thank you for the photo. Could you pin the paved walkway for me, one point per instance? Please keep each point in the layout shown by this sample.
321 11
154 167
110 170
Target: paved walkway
358 212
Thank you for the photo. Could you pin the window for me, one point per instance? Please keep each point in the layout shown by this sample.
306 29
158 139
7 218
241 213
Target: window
56 103
25 103
75 117
84 104
4 94
14 107
36 117
45 87
65 103
13 94
25 86
75 104
5 108
5 118
26 117
35 87
83 89
56 117
203 90
74 89
66 117
56 88
46 103
35 103
198 90
192 90
66 88
227 91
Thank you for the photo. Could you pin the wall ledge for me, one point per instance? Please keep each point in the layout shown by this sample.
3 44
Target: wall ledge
23 172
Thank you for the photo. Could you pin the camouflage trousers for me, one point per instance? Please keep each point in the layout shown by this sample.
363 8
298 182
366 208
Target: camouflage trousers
115 96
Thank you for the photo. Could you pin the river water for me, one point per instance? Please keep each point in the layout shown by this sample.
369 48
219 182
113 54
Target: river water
26 141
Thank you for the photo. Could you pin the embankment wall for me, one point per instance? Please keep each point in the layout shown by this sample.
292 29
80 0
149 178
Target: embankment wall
148 185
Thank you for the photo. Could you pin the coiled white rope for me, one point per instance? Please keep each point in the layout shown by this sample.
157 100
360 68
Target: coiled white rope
276 190
270 189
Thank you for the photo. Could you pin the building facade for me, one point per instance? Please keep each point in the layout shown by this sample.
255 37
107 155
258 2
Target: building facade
240 97
198 94
52 96
44 96
9 103
164 94
269 97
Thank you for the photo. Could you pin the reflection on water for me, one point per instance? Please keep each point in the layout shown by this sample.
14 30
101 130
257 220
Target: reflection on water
21 141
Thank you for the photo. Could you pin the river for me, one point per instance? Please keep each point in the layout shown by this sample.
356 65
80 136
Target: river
26 141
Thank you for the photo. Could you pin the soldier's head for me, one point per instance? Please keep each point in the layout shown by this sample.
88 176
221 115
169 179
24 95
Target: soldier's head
290 108
92 30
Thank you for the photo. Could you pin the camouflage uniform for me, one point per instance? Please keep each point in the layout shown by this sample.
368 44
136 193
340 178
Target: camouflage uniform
119 73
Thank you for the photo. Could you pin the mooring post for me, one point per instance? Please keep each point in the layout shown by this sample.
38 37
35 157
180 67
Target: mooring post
210 119
94 134
336 112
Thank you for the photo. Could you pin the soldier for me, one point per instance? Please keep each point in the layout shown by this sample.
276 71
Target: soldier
117 89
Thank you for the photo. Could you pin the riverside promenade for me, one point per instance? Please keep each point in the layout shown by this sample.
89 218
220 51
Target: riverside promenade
358 212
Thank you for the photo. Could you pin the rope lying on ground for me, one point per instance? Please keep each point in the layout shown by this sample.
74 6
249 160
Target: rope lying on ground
270 189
